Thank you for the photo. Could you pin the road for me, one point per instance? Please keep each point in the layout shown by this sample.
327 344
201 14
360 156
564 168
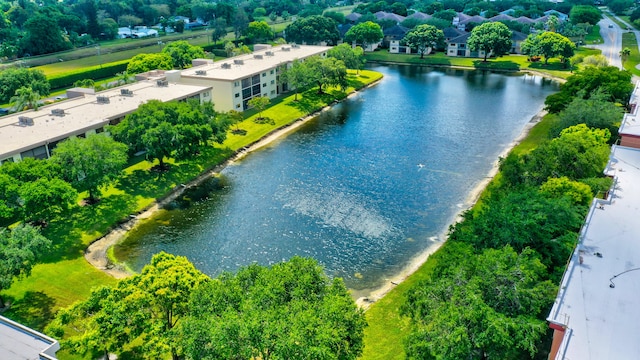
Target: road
612 35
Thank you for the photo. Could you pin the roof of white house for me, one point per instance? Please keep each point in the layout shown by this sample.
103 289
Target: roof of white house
18 342
241 66
598 298
82 113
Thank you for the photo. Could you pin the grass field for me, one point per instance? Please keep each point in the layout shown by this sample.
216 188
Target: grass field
64 276
629 40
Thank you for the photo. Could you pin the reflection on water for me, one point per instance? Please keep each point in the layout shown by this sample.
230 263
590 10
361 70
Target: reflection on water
363 188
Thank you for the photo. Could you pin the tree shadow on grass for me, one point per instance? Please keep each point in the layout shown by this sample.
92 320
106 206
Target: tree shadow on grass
496 65
310 101
34 310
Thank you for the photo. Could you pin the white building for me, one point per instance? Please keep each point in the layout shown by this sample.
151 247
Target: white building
18 342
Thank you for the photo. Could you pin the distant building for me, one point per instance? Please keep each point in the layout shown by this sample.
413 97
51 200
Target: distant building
18 342
393 37
596 313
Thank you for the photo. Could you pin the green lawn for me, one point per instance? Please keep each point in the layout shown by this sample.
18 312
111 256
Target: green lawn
629 40
64 276
384 338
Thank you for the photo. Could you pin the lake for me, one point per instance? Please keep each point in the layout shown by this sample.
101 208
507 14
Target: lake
363 188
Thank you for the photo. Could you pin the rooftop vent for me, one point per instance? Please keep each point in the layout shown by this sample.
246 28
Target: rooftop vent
226 66
286 48
269 53
238 61
256 56
295 46
102 99
57 112
126 92
201 72
24 121
163 82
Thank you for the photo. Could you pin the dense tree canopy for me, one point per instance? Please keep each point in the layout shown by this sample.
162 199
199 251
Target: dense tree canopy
12 79
424 38
595 112
364 34
486 307
289 311
548 44
147 62
171 129
585 14
90 163
258 31
313 30
182 53
352 57
327 72
493 38
19 251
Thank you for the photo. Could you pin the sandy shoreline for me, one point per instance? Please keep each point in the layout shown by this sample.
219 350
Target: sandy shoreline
97 252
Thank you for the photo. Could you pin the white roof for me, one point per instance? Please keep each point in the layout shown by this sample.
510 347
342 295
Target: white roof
18 342
631 122
82 113
249 64
598 301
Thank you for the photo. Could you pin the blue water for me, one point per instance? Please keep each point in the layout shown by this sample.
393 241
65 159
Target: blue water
363 188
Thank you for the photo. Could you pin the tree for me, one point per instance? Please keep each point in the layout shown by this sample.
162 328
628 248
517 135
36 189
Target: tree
313 30
492 38
148 306
12 79
611 80
260 103
91 163
624 54
548 44
579 193
240 21
585 14
296 76
352 57
25 98
44 36
44 199
365 33
9 200
595 112
424 38
620 6
258 31
19 250
289 311
147 62
327 72
338 17
485 307
171 129
219 27
182 53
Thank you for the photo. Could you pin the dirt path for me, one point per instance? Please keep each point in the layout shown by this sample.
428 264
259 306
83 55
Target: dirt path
97 252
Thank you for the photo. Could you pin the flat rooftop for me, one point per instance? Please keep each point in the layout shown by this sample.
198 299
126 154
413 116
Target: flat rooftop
631 121
241 66
598 300
18 342
82 113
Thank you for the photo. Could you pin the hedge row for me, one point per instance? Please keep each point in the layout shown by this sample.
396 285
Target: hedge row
96 72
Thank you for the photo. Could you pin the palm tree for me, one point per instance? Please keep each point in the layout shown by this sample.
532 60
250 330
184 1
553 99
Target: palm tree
25 97
624 54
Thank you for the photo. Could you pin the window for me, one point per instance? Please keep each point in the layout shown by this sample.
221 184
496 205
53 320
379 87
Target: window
246 93
39 153
237 95
255 79
82 136
99 130
273 82
264 85
273 92
264 74
246 83
8 160
237 106
236 84
256 89
271 72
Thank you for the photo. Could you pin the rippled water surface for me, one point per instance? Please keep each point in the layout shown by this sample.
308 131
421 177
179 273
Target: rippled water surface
363 188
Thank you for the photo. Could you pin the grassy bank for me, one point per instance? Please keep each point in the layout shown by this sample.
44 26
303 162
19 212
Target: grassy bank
506 63
387 329
629 41
64 276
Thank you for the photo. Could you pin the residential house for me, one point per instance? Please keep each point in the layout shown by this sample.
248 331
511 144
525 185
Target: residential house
393 37
558 14
419 16
382 15
457 46
353 17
